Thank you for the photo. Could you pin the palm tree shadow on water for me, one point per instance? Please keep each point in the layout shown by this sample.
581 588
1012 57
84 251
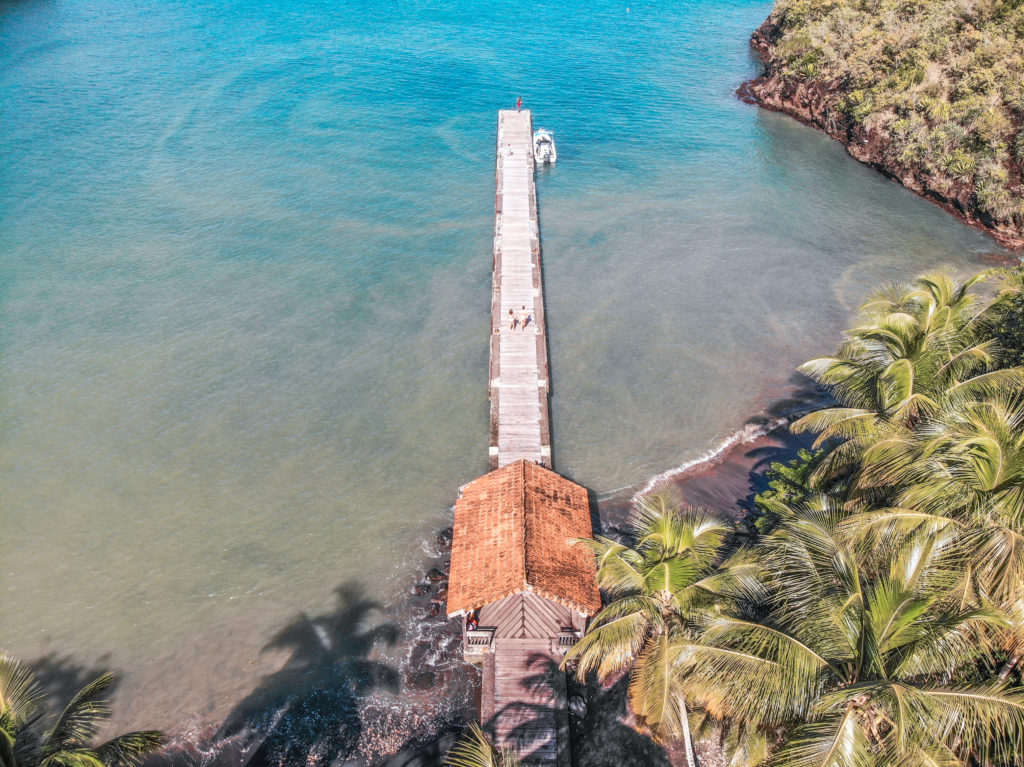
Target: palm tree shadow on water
62 678
308 712
600 738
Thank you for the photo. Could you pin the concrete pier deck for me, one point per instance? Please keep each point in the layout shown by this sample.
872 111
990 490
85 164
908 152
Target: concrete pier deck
520 426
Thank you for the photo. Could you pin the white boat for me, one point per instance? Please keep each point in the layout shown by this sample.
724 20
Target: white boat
544 147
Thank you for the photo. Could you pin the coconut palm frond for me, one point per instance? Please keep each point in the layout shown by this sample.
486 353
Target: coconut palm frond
661 524
741 577
654 690
968 361
81 719
611 645
750 637
896 384
749 746
663 503
911 409
840 462
885 299
474 750
671 575
987 720
999 552
837 422
130 749
740 669
606 548
735 685
937 647
618 566
832 370
891 460
67 744
702 533
890 523
72 757
834 741
993 383
21 696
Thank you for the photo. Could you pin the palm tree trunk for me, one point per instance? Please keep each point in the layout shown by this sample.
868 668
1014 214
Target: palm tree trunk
1010 665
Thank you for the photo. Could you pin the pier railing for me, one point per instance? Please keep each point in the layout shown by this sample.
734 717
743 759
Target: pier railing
477 641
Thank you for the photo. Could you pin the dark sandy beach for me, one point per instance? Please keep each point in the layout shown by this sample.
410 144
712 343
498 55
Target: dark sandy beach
726 483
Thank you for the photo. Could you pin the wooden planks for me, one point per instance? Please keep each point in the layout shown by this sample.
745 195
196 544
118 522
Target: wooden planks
527 616
525 694
520 426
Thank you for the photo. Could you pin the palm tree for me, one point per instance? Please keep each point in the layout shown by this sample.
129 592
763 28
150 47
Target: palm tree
930 437
1004 317
861 657
67 743
476 751
918 347
962 471
659 589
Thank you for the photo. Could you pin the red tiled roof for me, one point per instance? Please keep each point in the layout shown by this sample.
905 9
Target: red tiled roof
512 533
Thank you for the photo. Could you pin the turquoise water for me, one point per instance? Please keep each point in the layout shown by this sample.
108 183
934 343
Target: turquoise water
245 293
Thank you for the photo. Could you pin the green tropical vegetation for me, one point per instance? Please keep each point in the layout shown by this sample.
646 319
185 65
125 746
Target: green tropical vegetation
877 616
787 482
657 592
943 79
24 742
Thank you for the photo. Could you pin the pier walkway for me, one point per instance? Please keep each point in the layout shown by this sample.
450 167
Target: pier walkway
521 586
520 426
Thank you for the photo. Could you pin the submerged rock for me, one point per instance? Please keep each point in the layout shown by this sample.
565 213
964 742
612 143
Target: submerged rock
421 680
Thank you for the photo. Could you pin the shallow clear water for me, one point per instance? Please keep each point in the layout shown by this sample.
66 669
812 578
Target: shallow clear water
245 293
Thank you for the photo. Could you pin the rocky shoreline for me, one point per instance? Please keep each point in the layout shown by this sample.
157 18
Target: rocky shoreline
817 103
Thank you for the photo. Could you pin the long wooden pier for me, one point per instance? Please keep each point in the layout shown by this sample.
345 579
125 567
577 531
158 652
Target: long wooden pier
523 589
520 425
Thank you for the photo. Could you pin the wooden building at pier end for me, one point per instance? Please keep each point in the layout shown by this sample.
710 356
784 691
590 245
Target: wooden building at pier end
531 589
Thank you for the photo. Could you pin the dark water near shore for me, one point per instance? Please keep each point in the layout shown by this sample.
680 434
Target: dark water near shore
245 293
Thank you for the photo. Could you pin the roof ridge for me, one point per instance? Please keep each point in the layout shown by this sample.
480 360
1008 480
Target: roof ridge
526 529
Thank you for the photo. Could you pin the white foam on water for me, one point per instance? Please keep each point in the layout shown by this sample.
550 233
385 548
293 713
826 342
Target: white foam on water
748 433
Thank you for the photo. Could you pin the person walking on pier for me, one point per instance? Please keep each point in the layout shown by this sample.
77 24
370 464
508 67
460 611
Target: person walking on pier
523 317
515 319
